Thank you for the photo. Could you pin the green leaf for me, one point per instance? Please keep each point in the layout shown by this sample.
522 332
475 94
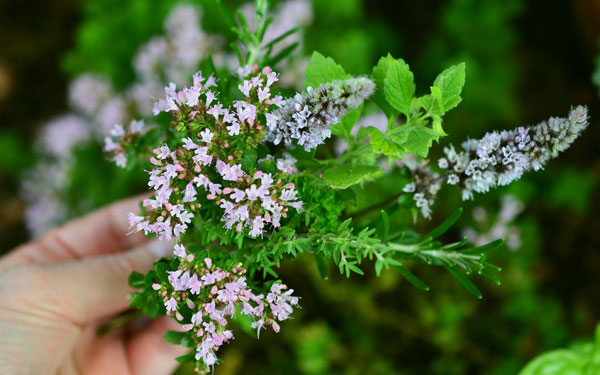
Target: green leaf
484 249
138 300
268 166
389 143
386 225
445 225
161 271
581 359
464 280
283 54
344 176
437 127
354 268
322 266
186 358
418 140
431 105
378 266
321 70
282 36
414 280
249 159
178 338
136 280
226 15
556 362
450 82
399 86
380 71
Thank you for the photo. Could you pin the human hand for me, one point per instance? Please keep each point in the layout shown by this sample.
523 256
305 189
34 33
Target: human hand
56 291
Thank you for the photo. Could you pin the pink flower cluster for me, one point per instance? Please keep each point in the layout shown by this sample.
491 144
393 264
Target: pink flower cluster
120 140
216 295
205 164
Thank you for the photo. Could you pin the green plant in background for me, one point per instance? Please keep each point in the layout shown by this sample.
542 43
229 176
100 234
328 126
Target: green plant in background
596 75
481 34
579 359
98 49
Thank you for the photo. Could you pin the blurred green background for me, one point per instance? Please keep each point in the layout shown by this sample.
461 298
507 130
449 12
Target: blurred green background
526 61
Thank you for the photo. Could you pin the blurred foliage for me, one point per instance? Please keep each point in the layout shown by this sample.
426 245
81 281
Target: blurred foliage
481 34
15 154
88 188
106 40
596 75
579 359
383 325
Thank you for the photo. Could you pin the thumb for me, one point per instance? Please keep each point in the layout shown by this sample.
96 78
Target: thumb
93 288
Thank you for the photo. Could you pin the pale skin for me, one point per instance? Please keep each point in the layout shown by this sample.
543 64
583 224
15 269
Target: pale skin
56 291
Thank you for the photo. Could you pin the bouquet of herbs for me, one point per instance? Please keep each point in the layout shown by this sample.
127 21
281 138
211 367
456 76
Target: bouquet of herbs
243 177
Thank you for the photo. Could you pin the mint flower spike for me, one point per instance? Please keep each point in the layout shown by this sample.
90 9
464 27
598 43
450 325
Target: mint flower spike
497 159
500 158
307 117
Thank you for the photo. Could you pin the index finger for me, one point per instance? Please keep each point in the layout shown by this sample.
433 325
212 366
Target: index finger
100 232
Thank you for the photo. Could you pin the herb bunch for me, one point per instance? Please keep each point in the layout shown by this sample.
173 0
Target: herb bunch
241 181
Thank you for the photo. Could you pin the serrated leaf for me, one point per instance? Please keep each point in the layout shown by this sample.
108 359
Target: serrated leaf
388 144
557 362
380 71
321 70
450 82
399 86
418 140
431 105
344 176
451 102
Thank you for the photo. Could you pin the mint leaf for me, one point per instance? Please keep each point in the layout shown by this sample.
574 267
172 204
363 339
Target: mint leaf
431 105
388 144
563 362
581 359
438 131
344 176
451 82
321 70
418 140
380 71
399 86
